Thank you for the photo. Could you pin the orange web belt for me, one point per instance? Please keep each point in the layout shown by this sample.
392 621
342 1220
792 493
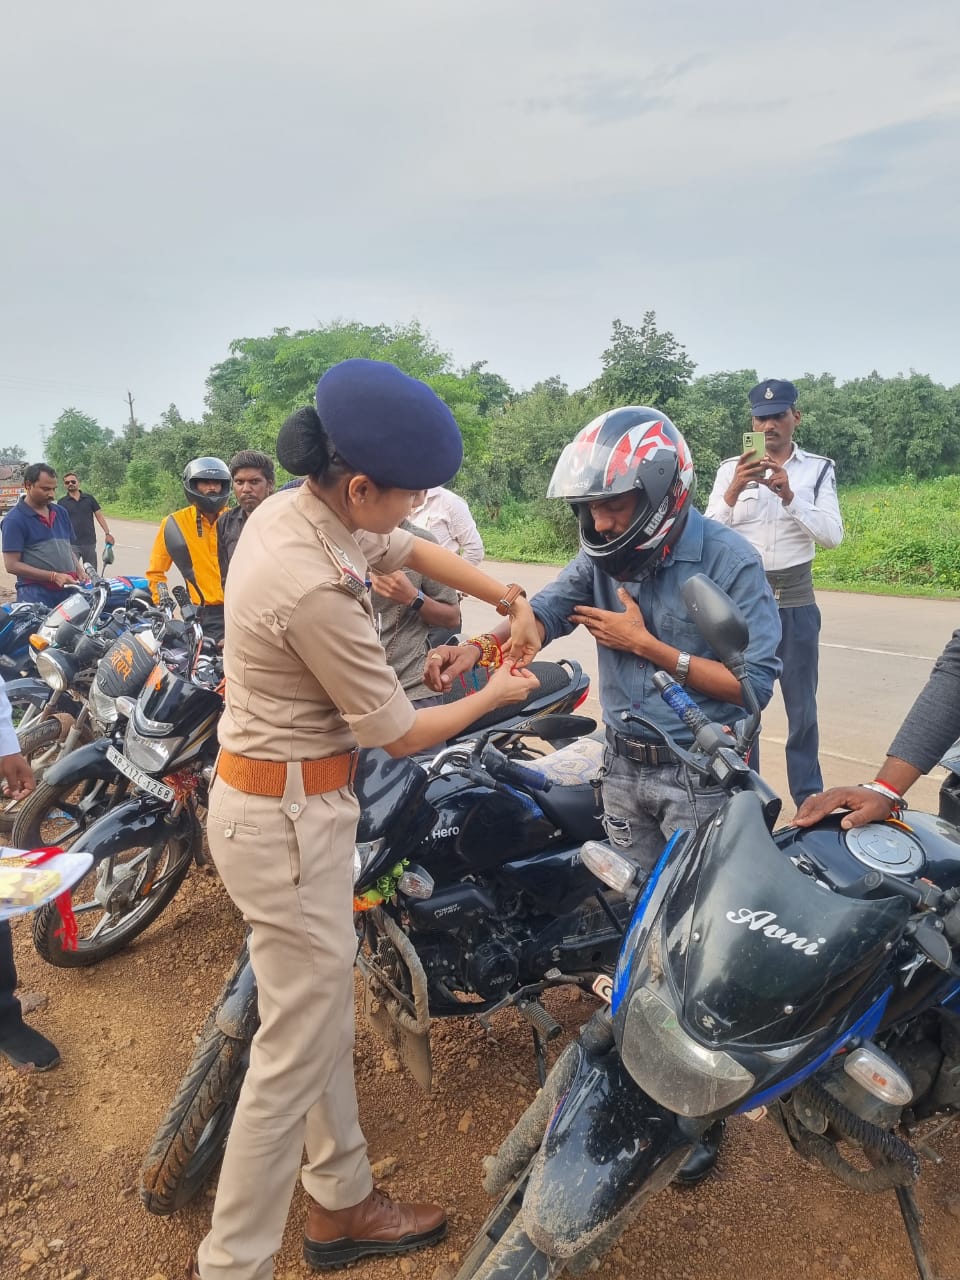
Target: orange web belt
269 777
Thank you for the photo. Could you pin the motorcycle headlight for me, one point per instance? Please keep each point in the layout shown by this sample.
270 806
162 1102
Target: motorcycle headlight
363 856
103 706
50 671
150 754
673 1068
667 1063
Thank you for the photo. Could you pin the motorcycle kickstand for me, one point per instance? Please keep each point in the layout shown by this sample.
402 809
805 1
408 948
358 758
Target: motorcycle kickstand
913 1221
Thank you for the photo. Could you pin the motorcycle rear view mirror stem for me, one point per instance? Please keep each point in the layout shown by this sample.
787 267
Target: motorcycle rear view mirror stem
724 628
179 553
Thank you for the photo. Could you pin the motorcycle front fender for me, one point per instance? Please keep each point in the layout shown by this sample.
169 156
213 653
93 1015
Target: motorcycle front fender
28 689
83 764
237 1014
608 1146
135 823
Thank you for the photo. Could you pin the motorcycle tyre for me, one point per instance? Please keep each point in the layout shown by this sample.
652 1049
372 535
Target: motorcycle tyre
47 797
189 1144
513 1257
37 737
46 923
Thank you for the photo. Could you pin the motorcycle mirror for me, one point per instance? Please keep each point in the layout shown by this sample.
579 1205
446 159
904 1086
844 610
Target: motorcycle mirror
717 618
179 553
553 728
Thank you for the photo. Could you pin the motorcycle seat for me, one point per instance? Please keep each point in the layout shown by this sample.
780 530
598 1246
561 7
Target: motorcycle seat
571 802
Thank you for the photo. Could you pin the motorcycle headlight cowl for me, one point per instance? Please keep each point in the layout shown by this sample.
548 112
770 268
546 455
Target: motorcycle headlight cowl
50 671
673 1068
103 706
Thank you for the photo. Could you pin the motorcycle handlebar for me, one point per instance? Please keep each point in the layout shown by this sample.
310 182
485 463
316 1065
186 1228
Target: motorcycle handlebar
680 702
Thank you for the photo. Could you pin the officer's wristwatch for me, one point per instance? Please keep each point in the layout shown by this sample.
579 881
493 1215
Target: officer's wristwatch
416 604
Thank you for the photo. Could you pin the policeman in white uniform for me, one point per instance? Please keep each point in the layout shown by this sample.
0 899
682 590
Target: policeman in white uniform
785 504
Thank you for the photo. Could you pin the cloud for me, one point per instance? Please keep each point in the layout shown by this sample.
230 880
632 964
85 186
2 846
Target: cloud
609 98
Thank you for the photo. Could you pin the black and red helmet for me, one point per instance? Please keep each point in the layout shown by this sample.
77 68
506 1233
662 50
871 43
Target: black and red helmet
631 449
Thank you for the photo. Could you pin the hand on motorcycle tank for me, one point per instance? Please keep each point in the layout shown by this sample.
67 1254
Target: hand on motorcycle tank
864 805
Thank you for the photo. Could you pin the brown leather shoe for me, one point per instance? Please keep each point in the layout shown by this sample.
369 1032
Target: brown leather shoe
378 1224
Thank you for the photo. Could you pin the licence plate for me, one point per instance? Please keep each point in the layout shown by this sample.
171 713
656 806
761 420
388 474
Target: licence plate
142 780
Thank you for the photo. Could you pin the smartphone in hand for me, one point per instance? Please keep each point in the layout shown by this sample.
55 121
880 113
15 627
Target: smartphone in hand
755 442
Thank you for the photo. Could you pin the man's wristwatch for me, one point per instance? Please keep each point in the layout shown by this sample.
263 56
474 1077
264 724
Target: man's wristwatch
416 604
683 668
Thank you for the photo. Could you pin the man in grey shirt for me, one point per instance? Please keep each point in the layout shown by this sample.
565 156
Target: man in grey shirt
407 607
931 727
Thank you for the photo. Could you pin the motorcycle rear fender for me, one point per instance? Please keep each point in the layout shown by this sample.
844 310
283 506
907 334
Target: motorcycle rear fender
237 1014
607 1148
83 764
136 822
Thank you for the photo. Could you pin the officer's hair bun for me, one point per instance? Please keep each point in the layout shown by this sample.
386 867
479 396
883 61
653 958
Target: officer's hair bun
303 447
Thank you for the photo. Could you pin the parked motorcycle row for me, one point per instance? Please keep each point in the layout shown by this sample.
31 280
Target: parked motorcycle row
805 976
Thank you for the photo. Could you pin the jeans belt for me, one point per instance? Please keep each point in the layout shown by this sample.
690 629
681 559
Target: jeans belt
269 777
637 751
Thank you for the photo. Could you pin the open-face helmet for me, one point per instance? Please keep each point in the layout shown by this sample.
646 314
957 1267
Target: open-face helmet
633 449
207 469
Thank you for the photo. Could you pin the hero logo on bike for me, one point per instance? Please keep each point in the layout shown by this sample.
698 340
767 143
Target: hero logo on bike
764 921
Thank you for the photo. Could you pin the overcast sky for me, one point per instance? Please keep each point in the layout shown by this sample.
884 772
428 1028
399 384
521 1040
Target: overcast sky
780 183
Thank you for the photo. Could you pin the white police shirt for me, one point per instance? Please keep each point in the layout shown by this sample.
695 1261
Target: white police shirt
784 535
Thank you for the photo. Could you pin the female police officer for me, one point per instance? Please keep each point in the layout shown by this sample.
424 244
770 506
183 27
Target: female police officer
306 680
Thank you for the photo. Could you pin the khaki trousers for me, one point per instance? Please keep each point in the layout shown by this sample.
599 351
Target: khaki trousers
288 865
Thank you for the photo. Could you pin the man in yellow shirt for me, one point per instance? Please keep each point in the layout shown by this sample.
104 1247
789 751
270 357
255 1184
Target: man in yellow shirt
206 482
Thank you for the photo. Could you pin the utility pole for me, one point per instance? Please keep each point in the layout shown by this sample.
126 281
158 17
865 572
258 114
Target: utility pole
133 421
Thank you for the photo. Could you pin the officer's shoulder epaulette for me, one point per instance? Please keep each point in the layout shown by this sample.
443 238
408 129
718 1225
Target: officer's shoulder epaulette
349 578
819 457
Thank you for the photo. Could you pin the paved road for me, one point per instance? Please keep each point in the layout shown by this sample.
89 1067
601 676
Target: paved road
876 653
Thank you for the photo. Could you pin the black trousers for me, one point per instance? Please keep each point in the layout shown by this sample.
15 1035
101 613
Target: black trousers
10 1017
211 619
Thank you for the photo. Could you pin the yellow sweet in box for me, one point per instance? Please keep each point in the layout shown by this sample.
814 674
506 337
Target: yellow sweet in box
25 887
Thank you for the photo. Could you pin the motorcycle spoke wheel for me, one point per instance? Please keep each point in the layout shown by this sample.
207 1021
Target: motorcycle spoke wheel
114 902
40 745
189 1144
58 815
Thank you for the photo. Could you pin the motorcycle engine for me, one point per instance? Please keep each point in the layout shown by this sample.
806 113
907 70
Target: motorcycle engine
492 968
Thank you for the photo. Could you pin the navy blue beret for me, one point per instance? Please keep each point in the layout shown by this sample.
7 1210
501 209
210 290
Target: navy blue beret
772 397
388 425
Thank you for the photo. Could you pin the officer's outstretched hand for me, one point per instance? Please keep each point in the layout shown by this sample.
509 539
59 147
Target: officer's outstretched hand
864 805
526 634
509 684
446 663
626 630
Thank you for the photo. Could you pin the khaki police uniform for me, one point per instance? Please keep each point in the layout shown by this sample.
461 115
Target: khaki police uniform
306 681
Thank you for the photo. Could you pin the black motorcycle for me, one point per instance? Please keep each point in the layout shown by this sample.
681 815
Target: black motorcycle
807 975
131 799
465 885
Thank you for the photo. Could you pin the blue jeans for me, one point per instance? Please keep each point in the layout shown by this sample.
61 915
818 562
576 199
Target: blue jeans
644 804
33 593
799 651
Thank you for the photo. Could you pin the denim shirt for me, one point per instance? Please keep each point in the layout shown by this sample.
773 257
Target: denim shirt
626 681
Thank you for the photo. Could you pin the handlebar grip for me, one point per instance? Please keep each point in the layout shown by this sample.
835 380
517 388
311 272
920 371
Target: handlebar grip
504 770
163 595
521 776
679 701
181 596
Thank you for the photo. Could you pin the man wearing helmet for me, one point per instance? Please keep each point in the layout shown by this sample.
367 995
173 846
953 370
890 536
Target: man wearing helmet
207 483
629 477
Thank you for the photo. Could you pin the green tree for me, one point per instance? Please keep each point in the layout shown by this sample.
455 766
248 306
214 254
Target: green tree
71 439
12 453
643 366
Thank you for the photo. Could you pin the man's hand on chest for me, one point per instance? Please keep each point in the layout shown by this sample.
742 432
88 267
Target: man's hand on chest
624 629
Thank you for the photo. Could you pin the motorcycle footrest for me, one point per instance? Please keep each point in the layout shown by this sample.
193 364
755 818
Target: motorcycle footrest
542 1022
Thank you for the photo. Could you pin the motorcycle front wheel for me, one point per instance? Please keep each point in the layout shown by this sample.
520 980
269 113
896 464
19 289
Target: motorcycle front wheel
503 1250
58 814
39 744
190 1141
116 900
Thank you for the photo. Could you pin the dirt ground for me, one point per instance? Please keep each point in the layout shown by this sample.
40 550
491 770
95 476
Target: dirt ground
71 1140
